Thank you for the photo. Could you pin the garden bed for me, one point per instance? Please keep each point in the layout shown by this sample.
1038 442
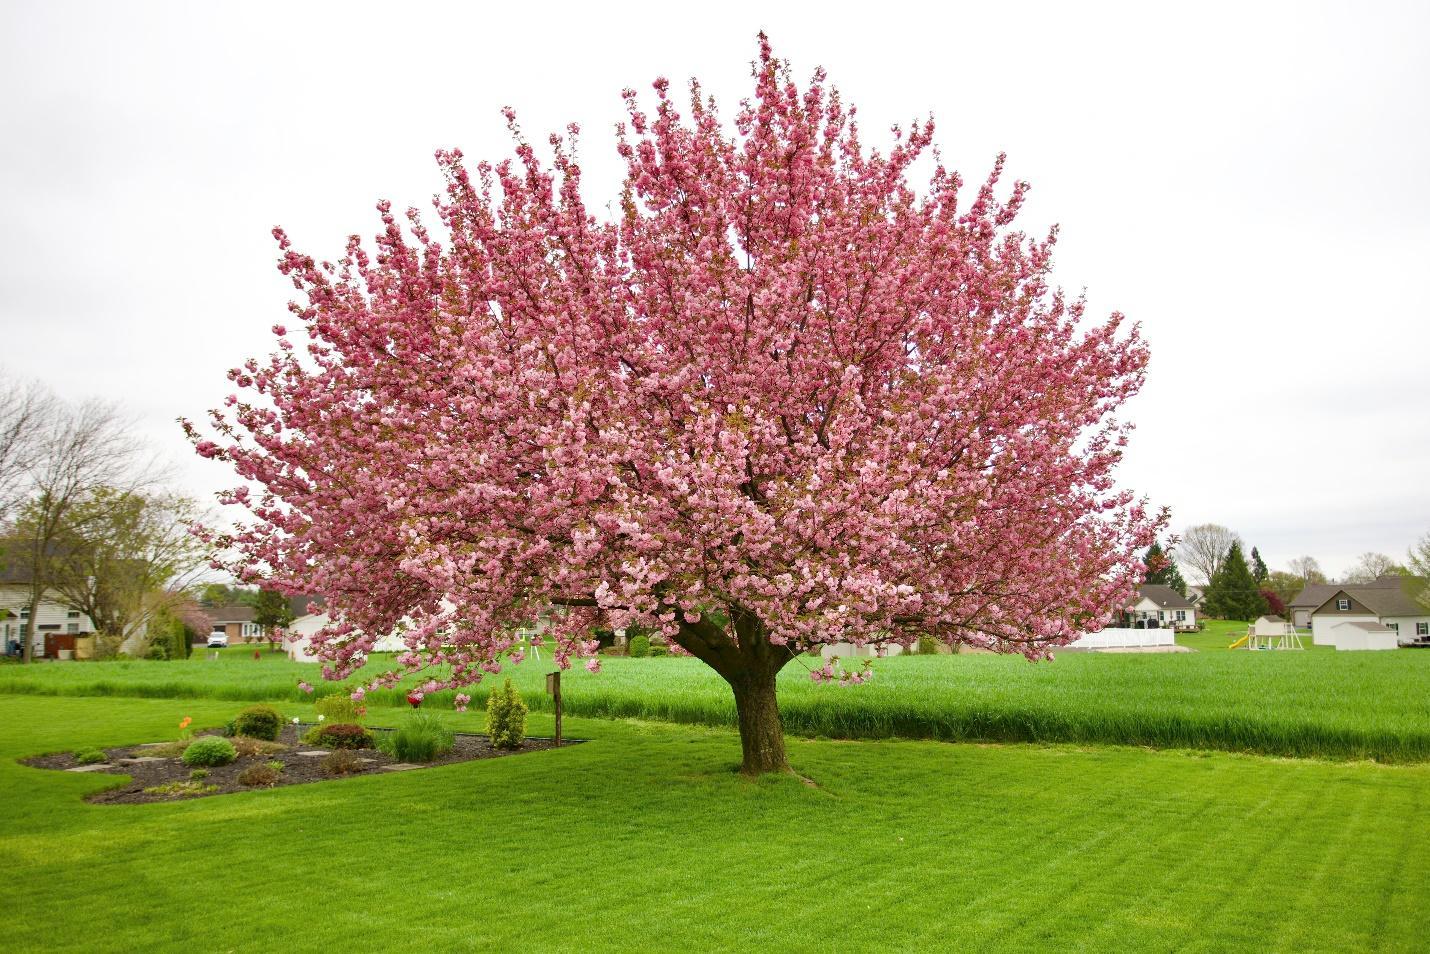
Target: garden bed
149 766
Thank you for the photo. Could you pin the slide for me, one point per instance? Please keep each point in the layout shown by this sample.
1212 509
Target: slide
1239 643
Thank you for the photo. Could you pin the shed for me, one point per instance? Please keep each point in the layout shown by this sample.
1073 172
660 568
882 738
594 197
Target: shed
1363 635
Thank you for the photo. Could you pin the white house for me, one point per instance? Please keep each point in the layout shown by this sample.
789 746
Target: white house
1379 611
58 623
298 636
1156 607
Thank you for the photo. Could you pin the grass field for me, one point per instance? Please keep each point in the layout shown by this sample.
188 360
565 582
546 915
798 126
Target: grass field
645 839
1315 703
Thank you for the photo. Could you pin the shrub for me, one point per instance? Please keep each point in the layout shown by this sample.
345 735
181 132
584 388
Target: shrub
247 748
258 722
421 738
343 762
276 765
255 775
639 646
338 707
613 651
198 775
339 736
659 649
928 645
90 757
506 716
209 750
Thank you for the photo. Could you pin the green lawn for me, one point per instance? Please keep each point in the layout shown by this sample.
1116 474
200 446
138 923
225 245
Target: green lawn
1313 703
645 839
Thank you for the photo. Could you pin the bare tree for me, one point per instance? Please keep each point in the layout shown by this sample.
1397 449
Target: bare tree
1203 548
26 409
1307 569
78 449
1370 567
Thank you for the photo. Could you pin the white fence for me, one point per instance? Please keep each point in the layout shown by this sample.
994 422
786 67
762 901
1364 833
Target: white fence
1116 637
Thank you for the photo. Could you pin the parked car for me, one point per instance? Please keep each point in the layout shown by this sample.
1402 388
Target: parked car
218 640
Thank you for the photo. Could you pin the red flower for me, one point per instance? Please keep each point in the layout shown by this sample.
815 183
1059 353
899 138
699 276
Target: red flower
414 698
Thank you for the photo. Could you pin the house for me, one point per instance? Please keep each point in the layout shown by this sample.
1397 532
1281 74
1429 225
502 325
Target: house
57 628
297 636
235 621
1380 615
1156 606
1310 597
1195 595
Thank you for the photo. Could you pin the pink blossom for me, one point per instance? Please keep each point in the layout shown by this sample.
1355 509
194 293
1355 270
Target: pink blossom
305 687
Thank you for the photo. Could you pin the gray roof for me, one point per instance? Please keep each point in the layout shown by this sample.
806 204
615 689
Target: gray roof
1366 627
1313 595
233 613
1394 596
1163 596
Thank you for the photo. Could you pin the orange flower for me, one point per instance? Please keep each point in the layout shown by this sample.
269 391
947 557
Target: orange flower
185 723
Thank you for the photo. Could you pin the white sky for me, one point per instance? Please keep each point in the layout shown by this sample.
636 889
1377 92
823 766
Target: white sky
1250 181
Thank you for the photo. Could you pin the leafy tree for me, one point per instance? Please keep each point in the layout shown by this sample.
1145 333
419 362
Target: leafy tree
126 556
1419 563
1259 572
1287 586
1162 569
225 594
745 412
1233 593
272 611
1274 602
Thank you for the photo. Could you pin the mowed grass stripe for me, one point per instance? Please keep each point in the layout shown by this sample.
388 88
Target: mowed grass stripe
1310 704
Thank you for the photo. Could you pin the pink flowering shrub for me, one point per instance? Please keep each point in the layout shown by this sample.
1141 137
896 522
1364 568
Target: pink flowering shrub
783 396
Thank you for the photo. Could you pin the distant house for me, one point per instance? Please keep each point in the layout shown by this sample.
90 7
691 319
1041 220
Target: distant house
235 620
1380 615
1158 607
1195 595
56 628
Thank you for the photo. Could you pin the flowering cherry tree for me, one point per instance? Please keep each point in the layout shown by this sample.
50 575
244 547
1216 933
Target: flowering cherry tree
780 397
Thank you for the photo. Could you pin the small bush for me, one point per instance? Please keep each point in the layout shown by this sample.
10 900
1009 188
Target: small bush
258 722
248 748
181 788
639 646
928 645
659 649
230 728
339 736
421 738
276 765
209 750
198 775
343 762
90 757
256 775
338 707
506 716
613 651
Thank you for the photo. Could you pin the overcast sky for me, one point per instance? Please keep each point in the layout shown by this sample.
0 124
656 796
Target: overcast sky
1251 182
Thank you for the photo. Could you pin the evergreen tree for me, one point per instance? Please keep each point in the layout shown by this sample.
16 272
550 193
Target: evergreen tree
1162 569
1233 593
1259 572
272 611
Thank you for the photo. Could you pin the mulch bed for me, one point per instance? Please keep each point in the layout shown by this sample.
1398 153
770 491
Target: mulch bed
297 769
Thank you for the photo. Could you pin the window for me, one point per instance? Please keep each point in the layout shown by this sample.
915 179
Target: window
72 614
1394 626
72 627
1422 629
24 612
1181 616
1343 604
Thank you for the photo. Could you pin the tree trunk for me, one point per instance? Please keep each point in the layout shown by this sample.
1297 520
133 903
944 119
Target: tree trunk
761 733
27 647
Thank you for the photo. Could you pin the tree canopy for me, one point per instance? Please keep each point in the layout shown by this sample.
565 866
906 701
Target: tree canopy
782 398
1233 593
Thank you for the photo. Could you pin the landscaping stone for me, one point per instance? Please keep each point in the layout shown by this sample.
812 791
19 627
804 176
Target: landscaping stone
138 760
315 754
99 767
399 767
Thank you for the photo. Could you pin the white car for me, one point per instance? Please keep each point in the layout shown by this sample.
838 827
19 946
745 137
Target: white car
218 640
